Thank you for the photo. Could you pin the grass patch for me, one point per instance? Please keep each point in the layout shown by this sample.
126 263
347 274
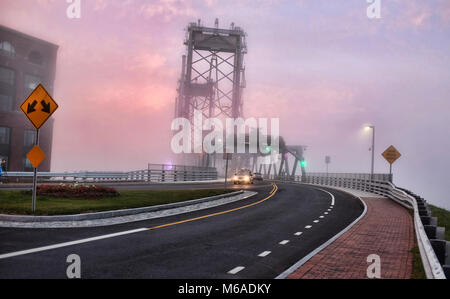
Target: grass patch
19 202
443 217
418 272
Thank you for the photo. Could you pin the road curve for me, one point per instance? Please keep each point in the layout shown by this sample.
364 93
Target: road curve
255 238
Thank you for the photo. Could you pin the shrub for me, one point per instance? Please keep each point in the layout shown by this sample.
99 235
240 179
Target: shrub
76 191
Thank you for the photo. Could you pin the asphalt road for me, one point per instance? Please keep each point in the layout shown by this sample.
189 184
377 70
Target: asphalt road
254 238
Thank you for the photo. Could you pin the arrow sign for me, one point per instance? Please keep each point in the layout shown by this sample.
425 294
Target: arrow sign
45 106
30 108
39 115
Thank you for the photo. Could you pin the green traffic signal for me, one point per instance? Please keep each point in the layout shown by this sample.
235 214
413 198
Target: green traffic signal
303 163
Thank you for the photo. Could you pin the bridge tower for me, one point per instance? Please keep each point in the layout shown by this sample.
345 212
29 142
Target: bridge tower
212 76
213 72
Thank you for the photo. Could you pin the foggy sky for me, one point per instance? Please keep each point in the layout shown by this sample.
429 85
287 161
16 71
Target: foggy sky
322 67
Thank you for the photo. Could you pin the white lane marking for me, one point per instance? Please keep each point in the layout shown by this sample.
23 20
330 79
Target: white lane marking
329 210
326 213
316 221
308 226
284 242
321 217
332 196
44 248
298 233
236 270
265 253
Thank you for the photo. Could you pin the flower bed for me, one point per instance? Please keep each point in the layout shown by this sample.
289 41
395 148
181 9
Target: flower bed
76 191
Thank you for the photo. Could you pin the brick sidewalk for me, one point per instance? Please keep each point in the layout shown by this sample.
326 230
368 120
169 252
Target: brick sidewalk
386 230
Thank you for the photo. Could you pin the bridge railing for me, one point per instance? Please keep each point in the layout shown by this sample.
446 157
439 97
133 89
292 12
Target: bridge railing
154 173
381 184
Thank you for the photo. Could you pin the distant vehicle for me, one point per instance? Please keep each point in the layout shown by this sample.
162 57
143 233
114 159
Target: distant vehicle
243 176
257 176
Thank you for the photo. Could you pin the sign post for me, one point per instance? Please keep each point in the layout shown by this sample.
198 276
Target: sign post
391 154
38 107
327 162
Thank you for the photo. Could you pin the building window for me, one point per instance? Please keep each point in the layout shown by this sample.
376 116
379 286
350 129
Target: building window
7 76
29 139
5 102
6 49
36 58
4 143
28 143
4 135
31 82
7 83
27 166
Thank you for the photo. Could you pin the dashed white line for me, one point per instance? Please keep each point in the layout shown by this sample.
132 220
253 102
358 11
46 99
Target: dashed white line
265 253
284 242
298 233
326 213
308 226
236 270
316 221
329 210
321 217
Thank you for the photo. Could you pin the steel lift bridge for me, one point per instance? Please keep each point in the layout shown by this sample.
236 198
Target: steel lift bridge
212 81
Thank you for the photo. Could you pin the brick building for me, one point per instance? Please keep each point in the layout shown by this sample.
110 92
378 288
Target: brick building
25 62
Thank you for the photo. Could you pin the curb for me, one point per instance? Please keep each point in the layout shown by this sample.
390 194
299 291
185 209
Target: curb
112 214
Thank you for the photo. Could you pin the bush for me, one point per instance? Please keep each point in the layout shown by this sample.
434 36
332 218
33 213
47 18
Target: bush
76 191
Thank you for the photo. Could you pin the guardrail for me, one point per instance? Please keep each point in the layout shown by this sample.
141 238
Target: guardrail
381 184
154 173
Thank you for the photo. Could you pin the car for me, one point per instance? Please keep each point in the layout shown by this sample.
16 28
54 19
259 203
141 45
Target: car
257 176
243 176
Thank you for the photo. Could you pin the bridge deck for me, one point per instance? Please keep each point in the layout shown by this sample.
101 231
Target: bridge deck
386 230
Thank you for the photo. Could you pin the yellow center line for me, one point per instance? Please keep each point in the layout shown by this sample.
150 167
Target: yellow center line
272 193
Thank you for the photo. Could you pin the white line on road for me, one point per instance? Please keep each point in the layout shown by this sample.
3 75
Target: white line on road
326 213
298 233
284 242
264 254
236 270
321 217
332 196
308 226
44 248
316 221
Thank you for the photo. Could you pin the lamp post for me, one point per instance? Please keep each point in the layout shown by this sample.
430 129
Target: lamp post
372 149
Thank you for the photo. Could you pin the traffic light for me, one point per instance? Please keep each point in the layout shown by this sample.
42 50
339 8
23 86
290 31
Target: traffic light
268 149
303 163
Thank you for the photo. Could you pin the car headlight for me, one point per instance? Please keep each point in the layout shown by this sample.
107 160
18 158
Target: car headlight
235 178
247 178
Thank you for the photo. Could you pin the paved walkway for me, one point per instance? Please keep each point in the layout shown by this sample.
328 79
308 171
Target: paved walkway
386 230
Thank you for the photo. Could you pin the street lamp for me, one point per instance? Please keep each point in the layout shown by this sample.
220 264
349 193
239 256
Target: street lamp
367 128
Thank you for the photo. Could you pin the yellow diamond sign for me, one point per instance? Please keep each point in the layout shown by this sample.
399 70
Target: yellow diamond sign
36 156
391 154
39 106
